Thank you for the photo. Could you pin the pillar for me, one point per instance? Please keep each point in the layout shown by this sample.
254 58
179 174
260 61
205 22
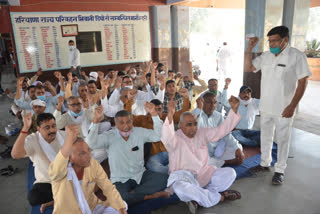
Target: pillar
161 34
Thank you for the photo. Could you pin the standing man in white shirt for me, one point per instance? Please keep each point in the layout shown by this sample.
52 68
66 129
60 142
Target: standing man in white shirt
74 59
284 79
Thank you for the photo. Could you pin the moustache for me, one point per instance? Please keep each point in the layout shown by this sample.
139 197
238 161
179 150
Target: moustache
246 97
52 133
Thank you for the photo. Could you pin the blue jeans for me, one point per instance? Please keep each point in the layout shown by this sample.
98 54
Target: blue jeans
247 137
158 163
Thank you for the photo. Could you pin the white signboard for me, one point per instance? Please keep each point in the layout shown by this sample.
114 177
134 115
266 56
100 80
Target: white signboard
125 38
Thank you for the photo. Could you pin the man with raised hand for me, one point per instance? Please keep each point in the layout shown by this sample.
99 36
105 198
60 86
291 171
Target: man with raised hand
285 73
125 148
74 175
191 178
41 147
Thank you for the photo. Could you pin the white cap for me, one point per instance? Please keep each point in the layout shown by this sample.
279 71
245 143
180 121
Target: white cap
38 102
93 75
36 83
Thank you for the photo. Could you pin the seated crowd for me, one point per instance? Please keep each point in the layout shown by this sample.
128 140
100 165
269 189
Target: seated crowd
106 142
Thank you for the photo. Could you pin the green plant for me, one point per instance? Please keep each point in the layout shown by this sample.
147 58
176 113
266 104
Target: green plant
313 48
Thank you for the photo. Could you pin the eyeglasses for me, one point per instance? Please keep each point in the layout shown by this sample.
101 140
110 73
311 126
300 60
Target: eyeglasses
274 41
127 82
75 104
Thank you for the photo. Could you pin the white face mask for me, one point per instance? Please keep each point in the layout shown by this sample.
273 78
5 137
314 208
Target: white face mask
133 75
71 47
129 86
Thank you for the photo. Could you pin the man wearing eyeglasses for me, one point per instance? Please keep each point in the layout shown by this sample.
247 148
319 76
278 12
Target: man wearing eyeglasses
284 79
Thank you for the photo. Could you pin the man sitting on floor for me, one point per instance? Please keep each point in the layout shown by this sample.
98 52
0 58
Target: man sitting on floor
158 161
248 109
38 107
74 163
125 147
41 147
227 150
191 178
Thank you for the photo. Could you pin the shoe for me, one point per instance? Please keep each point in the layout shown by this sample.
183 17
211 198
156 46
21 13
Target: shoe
193 206
259 168
277 178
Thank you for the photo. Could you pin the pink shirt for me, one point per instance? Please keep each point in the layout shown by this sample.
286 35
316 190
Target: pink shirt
192 153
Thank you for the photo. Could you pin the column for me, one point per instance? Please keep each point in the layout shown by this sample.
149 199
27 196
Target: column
161 34
180 38
260 17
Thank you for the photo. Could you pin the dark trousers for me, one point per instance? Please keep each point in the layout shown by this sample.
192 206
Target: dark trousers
40 193
77 72
247 137
151 182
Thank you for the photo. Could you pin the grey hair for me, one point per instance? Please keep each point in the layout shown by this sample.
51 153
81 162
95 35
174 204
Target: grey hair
186 113
79 140
208 95
122 113
82 83
72 98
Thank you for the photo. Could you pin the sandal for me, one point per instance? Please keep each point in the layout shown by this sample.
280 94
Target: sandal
8 171
231 195
193 206
6 153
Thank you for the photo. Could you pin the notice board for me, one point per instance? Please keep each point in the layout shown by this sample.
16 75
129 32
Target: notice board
40 42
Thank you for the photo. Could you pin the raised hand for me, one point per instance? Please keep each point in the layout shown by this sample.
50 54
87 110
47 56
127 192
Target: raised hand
234 103
253 42
20 81
171 110
184 92
57 74
72 132
154 65
69 76
27 120
162 81
100 75
98 114
60 102
127 68
132 93
150 108
118 82
83 74
227 81
39 72
196 76
200 103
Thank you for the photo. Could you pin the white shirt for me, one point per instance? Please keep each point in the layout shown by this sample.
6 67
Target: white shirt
74 58
214 120
222 99
248 117
125 163
279 78
38 157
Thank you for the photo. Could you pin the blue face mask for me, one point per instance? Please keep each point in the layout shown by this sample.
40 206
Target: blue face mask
276 50
43 97
76 114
